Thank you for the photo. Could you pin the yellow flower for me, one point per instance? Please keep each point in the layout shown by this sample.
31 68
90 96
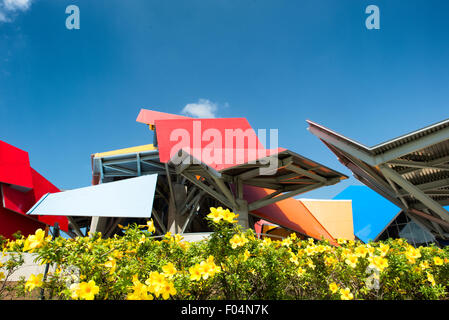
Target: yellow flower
266 242
112 264
178 238
184 245
140 291
238 241
294 258
370 250
412 254
310 264
195 273
246 255
150 226
300 271
438 261
216 214
34 282
345 294
341 241
2 276
169 270
430 278
424 265
351 260
206 269
320 249
286 242
117 254
330 261
155 283
167 289
333 287
34 241
87 290
378 262
293 236
214 268
310 250
142 239
229 216
384 248
416 269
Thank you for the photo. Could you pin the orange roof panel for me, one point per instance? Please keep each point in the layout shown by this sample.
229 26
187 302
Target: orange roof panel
334 215
289 213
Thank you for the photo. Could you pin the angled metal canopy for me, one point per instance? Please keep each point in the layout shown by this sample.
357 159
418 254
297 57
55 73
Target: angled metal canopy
292 175
412 171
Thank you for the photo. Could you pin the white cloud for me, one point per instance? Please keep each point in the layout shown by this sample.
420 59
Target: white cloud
14 5
201 109
9 8
3 17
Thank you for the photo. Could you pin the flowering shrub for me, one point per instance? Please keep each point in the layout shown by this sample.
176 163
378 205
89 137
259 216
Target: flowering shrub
230 264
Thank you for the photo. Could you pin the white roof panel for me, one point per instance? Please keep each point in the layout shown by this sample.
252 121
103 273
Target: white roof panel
125 198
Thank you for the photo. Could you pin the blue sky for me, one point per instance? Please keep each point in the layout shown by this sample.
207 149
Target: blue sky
65 94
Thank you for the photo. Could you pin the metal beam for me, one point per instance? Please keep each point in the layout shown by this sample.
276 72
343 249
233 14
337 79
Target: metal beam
380 191
416 164
429 217
414 145
427 186
306 173
158 220
208 190
262 203
113 167
75 226
239 188
225 190
434 162
189 200
361 166
170 186
404 202
256 172
365 176
155 164
256 183
416 192
359 152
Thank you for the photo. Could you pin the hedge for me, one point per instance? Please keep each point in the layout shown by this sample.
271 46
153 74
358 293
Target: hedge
230 264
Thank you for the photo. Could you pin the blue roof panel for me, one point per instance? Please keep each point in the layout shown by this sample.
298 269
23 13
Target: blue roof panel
371 212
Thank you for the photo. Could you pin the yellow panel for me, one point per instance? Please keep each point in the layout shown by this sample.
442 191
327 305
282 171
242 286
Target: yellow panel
334 215
147 147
